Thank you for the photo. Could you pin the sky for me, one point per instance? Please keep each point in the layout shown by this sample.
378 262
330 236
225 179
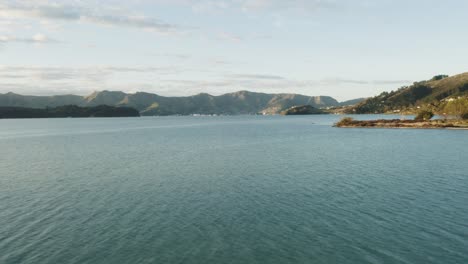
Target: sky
341 48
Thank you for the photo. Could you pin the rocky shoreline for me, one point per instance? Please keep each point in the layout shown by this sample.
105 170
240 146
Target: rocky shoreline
348 122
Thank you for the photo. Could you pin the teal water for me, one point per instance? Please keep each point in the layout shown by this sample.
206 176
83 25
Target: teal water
248 189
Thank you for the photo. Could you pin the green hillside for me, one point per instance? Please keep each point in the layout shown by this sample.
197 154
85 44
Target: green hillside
433 94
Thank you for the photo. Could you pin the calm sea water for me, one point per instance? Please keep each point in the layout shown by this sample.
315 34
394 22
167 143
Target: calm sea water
246 189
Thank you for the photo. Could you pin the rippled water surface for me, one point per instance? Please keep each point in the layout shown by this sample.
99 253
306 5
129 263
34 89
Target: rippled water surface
246 189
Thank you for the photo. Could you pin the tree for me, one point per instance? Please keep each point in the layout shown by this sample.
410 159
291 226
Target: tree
345 121
424 115
439 77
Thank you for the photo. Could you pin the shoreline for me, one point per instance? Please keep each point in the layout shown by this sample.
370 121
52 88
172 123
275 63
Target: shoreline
389 127
454 124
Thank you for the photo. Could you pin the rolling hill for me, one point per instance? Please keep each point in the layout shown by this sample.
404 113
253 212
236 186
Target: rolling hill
429 94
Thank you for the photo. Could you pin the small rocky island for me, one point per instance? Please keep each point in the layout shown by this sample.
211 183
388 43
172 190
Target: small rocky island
68 111
302 110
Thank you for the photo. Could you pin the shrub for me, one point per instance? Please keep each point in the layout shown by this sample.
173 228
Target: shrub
424 115
464 116
345 121
439 77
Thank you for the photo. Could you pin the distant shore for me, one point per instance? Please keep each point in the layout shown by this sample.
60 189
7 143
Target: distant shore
398 123
67 111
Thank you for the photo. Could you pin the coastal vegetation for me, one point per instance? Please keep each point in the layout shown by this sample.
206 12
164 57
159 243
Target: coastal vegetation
424 115
68 111
456 106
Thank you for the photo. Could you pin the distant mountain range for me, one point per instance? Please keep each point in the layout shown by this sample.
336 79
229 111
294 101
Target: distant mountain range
433 94
242 102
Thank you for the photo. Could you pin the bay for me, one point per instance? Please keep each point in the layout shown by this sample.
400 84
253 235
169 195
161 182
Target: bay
240 189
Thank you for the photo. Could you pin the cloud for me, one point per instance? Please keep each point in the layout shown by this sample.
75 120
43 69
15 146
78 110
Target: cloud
396 82
172 81
172 55
277 6
257 76
339 81
276 84
281 5
37 38
11 76
229 37
80 80
61 73
79 13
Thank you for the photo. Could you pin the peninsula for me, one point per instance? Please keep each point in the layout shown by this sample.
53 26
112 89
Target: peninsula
349 122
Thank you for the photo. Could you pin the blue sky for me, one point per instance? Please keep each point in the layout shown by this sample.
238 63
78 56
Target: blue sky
342 48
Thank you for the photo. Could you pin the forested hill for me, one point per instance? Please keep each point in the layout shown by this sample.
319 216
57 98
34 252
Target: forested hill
242 102
434 94
67 111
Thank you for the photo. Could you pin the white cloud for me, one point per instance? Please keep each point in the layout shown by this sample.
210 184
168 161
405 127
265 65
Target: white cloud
79 80
39 38
254 5
256 76
35 39
80 13
229 37
170 81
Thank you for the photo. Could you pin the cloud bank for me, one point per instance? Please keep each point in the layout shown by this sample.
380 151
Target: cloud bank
164 81
80 13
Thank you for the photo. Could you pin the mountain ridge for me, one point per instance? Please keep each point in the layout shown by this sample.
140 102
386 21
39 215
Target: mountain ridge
240 102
